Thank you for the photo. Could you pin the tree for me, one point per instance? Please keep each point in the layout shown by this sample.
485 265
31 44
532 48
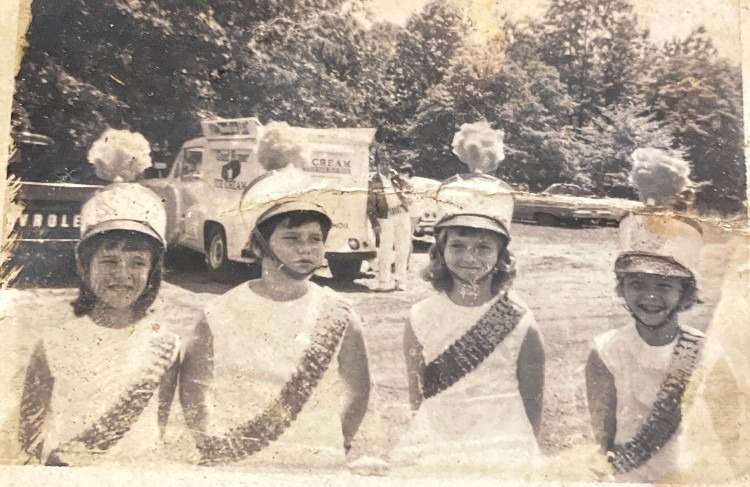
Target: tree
159 67
525 98
605 144
597 48
699 94
93 64
422 55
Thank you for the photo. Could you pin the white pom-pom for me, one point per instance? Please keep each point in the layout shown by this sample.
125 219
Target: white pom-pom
479 146
279 148
658 176
120 155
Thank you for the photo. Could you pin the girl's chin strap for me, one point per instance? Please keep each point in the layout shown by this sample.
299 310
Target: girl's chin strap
266 249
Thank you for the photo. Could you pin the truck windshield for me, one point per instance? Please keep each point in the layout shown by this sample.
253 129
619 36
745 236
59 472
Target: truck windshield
192 163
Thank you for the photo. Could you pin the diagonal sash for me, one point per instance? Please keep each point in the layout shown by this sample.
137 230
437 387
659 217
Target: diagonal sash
470 350
117 420
275 419
665 416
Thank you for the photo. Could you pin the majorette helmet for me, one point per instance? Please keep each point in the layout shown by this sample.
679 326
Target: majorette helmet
477 201
281 191
659 243
124 206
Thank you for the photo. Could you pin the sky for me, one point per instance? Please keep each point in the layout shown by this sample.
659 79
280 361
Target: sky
665 19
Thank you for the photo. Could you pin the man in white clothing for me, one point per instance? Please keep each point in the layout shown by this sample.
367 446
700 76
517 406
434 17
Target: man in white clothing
387 208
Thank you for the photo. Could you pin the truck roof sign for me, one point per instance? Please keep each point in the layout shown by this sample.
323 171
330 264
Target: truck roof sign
231 128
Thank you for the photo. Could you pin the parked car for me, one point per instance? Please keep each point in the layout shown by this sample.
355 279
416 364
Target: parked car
46 232
47 222
423 209
570 204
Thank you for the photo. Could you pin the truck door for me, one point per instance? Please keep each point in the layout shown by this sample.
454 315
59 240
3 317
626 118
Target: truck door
193 190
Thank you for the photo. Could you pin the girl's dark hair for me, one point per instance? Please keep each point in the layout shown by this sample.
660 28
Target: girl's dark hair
438 274
690 294
291 219
84 303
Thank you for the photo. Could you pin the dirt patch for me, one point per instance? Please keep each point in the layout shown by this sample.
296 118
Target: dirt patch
565 276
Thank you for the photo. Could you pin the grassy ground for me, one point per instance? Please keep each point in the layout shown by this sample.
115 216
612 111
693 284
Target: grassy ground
564 275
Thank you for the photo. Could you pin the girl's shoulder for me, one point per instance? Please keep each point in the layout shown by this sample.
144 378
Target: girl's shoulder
176 310
435 298
239 299
176 300
514 298
328 299
69 331
613 340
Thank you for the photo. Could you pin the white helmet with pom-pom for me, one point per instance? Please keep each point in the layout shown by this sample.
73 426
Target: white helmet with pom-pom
124 206
476 201
659 242
121 156
280 191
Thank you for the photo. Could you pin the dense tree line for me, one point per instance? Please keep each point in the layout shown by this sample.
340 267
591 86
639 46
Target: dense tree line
575 91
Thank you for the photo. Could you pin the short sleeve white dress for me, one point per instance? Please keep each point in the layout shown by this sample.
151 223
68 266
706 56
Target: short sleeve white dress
638 370
97 372
258 344
479 424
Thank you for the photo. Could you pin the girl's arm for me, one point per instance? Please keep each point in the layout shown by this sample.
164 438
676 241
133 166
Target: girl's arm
196 373
35 402
166 395
414 366
602 399
530 373
355 372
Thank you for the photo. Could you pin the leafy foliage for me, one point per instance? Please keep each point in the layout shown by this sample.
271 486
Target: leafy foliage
576 91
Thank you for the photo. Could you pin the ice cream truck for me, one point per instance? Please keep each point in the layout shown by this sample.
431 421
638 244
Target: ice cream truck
204 187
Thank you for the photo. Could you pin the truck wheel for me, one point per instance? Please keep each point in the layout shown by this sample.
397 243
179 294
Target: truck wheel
546 219
216 254
345 270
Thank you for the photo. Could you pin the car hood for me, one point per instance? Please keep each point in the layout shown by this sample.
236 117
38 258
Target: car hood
577 201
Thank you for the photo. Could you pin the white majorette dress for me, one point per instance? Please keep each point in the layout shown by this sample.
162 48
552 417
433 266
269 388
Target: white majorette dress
104 405
479 423
259 345
639 371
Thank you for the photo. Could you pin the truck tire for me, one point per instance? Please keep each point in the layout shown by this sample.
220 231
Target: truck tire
547 220
219 266
345 270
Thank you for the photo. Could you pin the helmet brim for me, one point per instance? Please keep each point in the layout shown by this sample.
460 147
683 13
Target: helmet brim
644 263
479 222
123 225
292 206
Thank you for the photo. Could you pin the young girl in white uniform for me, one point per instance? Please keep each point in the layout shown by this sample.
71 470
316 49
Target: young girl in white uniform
475 360
100 388
291 382
636 375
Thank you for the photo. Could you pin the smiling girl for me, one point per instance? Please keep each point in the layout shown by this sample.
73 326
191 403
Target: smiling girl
475 360
636 375
99 388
